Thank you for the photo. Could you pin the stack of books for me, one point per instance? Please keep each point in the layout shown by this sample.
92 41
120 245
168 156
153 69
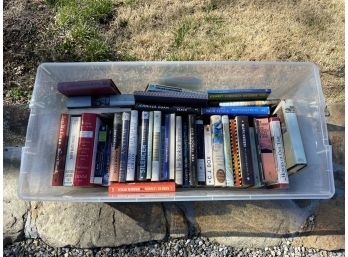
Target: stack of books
174 137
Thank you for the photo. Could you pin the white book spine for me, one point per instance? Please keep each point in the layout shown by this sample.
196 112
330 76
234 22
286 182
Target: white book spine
279 152
156 146
208 156
70 162
178 151
133 145
96 135
149 147
172 147
218 151
227 151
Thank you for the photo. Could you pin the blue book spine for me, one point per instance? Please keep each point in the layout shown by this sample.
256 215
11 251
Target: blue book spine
165 163
240 91
107 152
237 110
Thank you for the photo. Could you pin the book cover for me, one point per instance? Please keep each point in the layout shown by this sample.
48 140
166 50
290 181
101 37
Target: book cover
208 154
178 151
153 87
167 109
132 146
142 187
156 146
186 152
192 149
293 145
58 172
124 146
115 157
263 135
99 87
101 162
149 148
200 152
227 150
237 110
238 94
87 149
246 165
237 173
218 151
125 100
168 98
70 162
271 102
255 160
166 145
279 156
142 166
172 147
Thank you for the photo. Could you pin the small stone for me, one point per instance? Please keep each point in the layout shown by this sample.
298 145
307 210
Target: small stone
273 253
200 243
66 254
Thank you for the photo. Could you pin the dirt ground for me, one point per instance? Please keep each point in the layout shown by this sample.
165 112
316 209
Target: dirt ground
297 30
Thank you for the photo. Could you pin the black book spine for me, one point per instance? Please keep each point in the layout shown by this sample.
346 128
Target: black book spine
167 109
185 132
124 146
200 152
245 151
192 150
142 164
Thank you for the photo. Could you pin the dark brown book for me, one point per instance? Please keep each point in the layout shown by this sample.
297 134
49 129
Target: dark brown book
59 166
115 159
101 87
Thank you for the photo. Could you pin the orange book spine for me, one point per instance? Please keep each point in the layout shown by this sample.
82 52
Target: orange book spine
142 187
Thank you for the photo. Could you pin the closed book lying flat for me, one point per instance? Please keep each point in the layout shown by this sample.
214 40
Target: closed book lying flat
271 102
238 94
99 87
125 100
237 110
167 108
153 87
142 187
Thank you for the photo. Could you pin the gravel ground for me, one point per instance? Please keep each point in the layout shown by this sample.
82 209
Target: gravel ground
175 247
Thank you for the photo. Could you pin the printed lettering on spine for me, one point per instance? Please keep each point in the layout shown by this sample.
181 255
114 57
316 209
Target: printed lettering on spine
165 159
156 147
172 147
218 151
237 174
208 156
186 151
116 148
227 151
143 146
178 151
149 148
192 150
132 147
124 146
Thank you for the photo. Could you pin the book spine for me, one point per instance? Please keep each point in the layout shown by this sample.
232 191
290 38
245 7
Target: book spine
192 150
167 109
237 110
156 146
238 96
101 160
279 151
227 150
70 162
178 151
163 148
142 187
186 152
172 147
218 151
86 150
165 159
237 174
149 148
124 146
255 161
240 91
116 148
208 156
200 152
250 103
244 151
163 88
142 167
107 158
132 146
263 133
58 172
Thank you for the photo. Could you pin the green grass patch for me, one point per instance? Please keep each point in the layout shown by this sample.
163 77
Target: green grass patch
181 32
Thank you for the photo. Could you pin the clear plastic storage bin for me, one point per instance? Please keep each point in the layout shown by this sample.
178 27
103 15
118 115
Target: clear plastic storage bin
296 80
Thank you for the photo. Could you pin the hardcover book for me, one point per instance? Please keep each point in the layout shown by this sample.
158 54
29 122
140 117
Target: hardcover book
115 158
218 151
178 151
237 110
263 135
124 146
192 149
186 152
101 162
255 160
200 152
246 165
167 109
58 172
126 100
87 149
149 148
153 87
142 187
283 180
156 146
142 167
227 151
132 146
99 87
271 102
237 173
166 146
293 146
238 94
208 156
70 162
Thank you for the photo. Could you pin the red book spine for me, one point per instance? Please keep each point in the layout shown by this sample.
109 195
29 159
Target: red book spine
58 173
84 159
142 187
